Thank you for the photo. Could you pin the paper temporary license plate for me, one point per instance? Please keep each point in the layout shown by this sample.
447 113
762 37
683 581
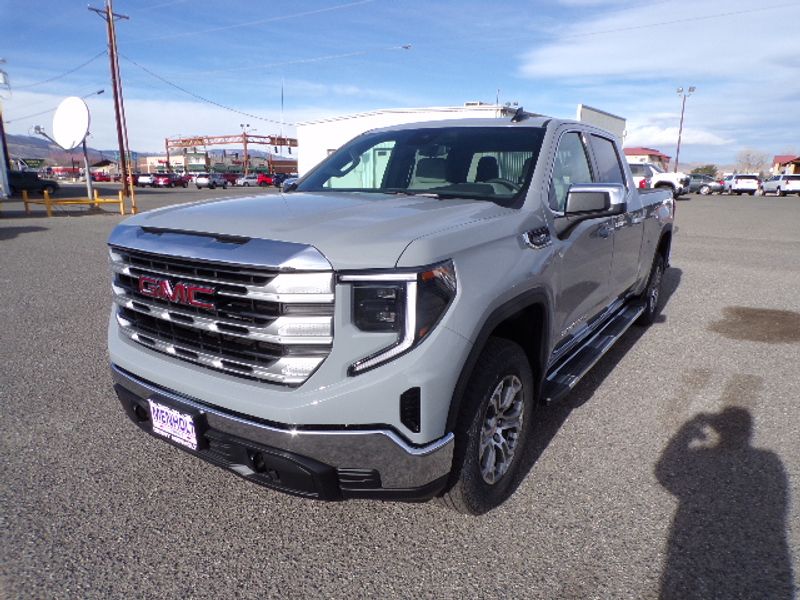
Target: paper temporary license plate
173 424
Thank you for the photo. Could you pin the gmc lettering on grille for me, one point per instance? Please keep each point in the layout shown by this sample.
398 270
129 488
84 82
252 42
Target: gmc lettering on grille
178 293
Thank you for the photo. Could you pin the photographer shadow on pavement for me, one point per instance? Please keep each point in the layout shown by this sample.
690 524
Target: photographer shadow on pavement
728 537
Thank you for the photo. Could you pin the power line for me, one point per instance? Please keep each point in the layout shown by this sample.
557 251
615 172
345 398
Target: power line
676 21
301 61
199 97
251 22
64 74
44 112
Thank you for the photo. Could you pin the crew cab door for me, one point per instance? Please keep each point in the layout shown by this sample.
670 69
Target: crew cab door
628 226
583 251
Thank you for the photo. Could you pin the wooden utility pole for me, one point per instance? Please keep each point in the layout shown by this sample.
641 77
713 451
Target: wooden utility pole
110 17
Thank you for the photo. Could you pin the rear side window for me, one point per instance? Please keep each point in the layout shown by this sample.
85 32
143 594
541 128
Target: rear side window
571 168
608 163
638 170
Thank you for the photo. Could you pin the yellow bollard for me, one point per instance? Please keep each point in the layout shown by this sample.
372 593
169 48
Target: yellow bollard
121 203
134 210
25 200
47 203
96 197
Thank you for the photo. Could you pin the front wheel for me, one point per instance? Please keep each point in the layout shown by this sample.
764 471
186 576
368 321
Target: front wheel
493 429
781 193
705 190
652 293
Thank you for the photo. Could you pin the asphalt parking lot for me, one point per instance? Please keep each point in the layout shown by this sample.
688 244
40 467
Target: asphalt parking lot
672 469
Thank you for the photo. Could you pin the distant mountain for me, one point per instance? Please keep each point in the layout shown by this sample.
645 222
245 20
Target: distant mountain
26 146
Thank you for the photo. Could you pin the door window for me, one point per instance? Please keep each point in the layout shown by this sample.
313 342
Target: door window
608 164
571 168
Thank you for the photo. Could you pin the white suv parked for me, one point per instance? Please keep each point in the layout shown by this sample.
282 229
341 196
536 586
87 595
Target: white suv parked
210 180
781 185
744 184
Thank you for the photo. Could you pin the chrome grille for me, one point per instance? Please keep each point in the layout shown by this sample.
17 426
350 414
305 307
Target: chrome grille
250 322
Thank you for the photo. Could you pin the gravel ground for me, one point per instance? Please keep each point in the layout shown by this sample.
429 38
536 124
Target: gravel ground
646 481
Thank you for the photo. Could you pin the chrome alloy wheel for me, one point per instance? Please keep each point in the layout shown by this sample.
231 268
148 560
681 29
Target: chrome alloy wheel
502 425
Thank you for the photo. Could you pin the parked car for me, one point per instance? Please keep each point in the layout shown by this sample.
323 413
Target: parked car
279 178
781 185
170 180
265 179
642 176
248 180
289 184
210 181
677 183
146 179
704 184
30 182
99 176
744 184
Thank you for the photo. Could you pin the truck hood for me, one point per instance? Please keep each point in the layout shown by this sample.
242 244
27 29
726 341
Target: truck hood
352 230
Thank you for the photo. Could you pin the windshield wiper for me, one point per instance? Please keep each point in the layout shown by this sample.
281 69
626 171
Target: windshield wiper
399 192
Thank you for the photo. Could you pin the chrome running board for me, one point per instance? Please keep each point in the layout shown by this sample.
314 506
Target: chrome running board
567 373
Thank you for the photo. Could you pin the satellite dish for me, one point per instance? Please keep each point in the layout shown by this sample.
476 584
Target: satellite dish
71 122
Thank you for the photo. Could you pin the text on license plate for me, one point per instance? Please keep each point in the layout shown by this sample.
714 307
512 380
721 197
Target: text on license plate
173 424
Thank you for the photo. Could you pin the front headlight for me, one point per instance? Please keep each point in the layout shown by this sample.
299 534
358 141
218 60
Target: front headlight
409 303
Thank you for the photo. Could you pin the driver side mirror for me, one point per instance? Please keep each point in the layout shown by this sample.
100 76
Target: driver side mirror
591 200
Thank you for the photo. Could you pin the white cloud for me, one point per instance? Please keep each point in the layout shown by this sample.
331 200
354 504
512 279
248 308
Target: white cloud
151 121
650 135
744 67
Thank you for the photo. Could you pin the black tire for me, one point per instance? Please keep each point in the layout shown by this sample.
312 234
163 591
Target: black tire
781 193
704 190
246 184
652 293
501 361
198 187
13 190
49 189
262 184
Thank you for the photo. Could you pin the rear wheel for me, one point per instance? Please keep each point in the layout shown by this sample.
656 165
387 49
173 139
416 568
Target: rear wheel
652 293
781 193
705 190
493 429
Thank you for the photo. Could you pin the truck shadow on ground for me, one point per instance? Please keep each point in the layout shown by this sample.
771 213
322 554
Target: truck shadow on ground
7 233
728 536
551 418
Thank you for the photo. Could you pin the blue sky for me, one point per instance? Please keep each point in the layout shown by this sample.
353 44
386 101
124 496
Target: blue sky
339 57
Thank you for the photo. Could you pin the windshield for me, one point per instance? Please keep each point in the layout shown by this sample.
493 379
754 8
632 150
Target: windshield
656 168
481 163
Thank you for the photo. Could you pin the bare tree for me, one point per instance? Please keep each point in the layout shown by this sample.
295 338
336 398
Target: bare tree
752 161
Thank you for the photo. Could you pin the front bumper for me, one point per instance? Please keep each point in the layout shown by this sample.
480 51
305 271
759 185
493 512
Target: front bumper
325 464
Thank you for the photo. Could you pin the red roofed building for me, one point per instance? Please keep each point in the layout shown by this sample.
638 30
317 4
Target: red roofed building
647 155
785 163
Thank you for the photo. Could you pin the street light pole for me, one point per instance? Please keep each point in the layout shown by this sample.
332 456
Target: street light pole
684 95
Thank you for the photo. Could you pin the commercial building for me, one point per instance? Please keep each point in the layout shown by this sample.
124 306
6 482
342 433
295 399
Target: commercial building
647 155
318 139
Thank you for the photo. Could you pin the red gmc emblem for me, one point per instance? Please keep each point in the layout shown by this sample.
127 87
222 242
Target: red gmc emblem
178 293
